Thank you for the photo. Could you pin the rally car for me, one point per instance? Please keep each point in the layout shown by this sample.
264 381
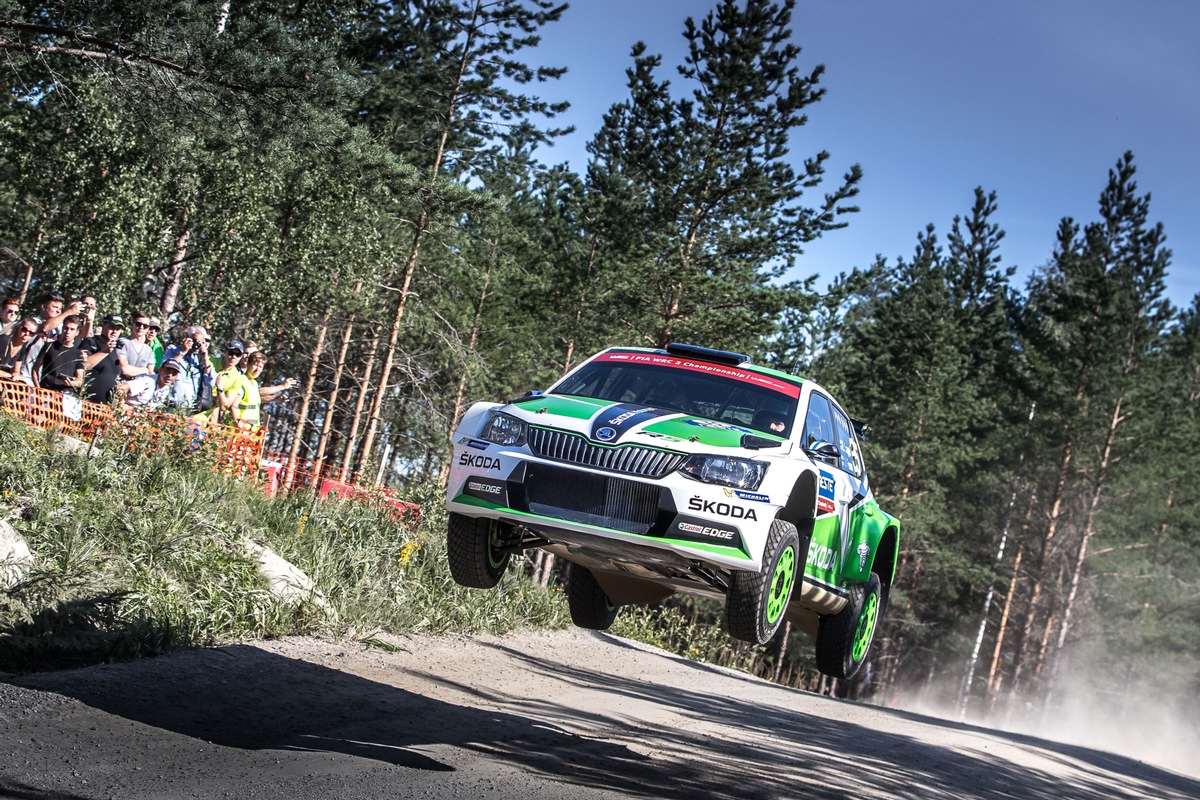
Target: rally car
684 469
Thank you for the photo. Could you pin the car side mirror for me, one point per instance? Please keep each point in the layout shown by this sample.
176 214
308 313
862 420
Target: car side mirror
530 395
752 442
824 450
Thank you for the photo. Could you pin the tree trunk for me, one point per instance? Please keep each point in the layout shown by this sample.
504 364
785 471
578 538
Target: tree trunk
579 305
1089 530
995 679
1031 611
338 369
173 277
787 631
363 385
965 692
473 341
302 415
410 264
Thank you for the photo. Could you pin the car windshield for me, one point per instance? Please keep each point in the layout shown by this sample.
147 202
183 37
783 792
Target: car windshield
726 394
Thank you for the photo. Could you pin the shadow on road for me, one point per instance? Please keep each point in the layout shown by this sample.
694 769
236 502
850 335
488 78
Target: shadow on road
247 698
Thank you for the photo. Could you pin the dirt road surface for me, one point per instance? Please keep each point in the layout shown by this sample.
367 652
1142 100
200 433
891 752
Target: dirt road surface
571 714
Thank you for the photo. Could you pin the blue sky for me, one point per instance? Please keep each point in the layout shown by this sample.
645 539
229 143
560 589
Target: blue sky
1035 100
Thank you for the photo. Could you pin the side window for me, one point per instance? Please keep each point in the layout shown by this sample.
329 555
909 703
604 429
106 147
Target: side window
818 424
847 444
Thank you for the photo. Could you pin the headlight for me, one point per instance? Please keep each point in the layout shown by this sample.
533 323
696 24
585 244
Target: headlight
740 473
504 429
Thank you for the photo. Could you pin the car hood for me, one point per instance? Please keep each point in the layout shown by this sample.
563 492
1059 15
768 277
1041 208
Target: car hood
610 423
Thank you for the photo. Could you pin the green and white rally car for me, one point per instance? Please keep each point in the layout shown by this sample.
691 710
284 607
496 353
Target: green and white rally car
681 470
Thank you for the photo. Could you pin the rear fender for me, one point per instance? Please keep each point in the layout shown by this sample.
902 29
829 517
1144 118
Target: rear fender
874 543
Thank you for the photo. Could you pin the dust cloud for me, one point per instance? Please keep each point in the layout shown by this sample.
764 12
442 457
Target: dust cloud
1156 723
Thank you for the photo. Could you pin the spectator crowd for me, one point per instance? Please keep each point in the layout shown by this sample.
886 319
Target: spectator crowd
61 347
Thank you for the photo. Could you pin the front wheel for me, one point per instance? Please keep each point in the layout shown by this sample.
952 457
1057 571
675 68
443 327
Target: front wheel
590 606
473 547
756 602
844 638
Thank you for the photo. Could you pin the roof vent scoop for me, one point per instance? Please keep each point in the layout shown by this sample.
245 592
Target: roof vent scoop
707 354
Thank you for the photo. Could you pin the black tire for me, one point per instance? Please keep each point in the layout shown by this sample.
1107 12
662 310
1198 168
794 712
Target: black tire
472 544
757 601
590 606
844 639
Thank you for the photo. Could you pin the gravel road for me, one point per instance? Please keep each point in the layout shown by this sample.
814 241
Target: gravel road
534 715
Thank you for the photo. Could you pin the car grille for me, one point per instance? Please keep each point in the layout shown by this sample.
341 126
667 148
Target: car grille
603 500
629 459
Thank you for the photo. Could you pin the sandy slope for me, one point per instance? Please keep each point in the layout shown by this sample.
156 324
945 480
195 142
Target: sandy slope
569 714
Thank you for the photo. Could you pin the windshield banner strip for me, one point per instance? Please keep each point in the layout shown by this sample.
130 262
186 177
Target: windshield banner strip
783 387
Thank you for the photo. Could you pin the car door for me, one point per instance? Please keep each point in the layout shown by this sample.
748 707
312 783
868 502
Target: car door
834 491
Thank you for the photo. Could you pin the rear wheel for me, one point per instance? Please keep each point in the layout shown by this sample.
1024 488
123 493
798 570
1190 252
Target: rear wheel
756 602
473 547
590 606
844 638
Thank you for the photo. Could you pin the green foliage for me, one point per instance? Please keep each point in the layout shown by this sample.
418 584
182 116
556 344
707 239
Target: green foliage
286 173
136 554
694 196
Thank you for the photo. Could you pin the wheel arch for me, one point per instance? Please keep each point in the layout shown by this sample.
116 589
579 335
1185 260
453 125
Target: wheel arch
801 506
886 555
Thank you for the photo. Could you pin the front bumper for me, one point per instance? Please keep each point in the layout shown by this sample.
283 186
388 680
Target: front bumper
646 519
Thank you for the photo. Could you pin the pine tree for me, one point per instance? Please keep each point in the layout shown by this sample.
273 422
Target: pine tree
698 195
1092 320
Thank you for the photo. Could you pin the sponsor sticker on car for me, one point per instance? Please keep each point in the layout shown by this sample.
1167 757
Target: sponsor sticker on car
825 493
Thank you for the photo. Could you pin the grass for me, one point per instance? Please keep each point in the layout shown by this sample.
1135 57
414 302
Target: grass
137 553
140 548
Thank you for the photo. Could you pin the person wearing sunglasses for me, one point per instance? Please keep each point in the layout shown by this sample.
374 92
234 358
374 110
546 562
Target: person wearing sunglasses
10 315
154 339
13 347
229 386
100 359
134 352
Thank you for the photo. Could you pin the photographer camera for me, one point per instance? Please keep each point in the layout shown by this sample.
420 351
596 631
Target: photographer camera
193 391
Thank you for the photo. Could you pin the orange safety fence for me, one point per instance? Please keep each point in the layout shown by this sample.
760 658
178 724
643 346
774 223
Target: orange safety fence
236 449
49 410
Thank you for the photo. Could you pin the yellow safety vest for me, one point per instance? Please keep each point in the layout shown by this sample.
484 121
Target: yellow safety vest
246 409
248 406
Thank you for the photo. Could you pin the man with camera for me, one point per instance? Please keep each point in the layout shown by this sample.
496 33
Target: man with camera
100 359
193 391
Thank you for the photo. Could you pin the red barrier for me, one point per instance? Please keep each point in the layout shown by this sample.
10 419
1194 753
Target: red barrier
401 510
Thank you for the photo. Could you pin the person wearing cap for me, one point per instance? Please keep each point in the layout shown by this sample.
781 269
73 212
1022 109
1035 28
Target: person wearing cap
198 376
100 360
134 351
230 379
10 315
153 392
154 339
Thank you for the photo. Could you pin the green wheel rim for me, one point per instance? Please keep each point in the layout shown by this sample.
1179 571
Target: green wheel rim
866 627
781 584
495 557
